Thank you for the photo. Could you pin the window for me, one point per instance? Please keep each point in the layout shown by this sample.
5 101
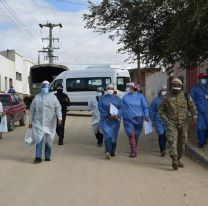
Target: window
6 84
18 76
121 83
10 82
86 84
4 100
13 100
55 83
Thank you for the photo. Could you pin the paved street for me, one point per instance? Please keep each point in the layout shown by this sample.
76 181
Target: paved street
78 174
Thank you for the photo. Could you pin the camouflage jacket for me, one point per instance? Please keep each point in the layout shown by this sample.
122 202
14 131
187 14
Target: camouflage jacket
175 107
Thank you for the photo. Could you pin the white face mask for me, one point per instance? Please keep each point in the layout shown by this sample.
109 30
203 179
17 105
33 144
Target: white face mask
128 90
177 88
110 92
203 81
99 94
163 93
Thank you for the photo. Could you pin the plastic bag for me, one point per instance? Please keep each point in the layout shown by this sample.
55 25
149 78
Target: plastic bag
3 124
29 137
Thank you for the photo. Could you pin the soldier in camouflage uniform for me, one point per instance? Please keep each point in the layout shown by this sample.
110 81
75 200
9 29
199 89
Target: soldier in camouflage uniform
174 111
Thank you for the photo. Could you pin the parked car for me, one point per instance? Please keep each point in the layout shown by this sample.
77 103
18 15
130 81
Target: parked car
15 110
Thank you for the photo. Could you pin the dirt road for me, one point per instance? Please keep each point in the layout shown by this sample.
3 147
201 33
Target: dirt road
78 174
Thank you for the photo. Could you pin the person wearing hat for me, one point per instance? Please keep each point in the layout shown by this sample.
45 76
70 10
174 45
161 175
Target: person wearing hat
174 111
159 124
199 94
65 102
44 112
135 106
93 106
110 107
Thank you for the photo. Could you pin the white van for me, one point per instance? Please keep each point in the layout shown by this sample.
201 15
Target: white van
81 85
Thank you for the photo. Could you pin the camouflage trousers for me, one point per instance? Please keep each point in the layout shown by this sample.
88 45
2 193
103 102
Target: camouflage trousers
177 138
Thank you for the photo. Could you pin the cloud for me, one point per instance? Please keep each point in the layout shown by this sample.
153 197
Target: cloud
77 44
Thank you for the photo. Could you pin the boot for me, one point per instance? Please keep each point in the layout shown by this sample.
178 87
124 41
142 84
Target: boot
174 162
180 164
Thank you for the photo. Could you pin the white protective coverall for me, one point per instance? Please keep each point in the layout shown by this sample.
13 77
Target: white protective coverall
44 111
93 106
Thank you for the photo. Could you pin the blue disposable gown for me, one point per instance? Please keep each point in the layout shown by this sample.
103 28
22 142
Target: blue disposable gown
135 107
44 111
159 124
109 127
199 94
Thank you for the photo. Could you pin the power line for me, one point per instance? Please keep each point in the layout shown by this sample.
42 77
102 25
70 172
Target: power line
81 43
14 18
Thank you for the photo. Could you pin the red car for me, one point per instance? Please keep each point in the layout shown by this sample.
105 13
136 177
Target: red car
14 108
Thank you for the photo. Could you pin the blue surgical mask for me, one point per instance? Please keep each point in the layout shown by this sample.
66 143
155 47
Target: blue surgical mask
44 90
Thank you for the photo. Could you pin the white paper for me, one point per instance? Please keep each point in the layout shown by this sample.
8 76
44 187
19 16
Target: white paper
147 127
113 110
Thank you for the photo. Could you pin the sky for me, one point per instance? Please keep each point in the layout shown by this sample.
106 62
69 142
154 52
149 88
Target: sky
19 30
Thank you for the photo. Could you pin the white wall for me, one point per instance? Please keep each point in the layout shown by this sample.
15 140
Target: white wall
7 69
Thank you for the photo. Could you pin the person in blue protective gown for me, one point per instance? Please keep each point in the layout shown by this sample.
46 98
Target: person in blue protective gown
109 122
159 124
199 94
136 107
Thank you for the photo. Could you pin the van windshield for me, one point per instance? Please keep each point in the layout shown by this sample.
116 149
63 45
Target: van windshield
55 84
122 82
86 84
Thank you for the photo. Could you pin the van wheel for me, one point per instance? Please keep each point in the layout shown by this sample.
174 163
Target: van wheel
23 120
10 124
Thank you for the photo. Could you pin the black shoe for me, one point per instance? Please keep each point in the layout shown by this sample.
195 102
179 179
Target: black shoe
113 154
37 160
201 146
47 160
163 154
60 143
99 144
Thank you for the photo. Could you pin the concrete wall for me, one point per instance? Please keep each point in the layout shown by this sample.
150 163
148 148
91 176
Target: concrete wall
153 83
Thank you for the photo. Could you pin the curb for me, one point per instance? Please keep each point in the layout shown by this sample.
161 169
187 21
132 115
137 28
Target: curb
197 154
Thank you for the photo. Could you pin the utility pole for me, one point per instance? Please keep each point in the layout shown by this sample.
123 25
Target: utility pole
49 50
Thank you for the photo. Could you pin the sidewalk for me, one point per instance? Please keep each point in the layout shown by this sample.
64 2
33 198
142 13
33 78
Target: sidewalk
200 155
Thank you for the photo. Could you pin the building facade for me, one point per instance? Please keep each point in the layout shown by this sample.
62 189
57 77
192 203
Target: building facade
14 71
189 76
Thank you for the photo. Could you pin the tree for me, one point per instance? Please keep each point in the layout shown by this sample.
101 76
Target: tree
162 31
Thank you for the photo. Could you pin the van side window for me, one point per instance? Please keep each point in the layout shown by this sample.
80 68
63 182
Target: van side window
86 84
55 83
121 83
